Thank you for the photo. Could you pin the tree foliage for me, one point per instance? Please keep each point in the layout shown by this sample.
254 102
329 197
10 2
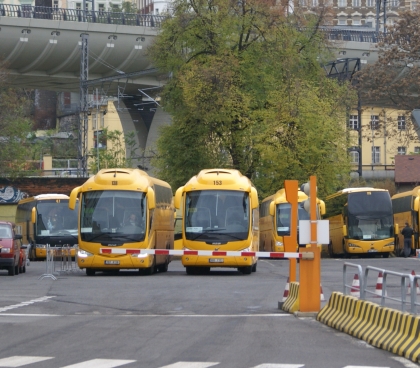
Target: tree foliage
394 80
116 149
247 92
15 129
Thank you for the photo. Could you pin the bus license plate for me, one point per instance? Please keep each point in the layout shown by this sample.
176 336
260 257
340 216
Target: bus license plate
112 262
216 260
372 251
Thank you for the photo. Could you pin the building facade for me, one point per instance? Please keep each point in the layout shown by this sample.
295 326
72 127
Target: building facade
384 133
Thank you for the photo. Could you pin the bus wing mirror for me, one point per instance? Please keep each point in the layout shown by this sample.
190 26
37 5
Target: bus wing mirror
33 215
254 198
272 208
345 230
73 197
416 205
321 207
178 197
151 198
396 229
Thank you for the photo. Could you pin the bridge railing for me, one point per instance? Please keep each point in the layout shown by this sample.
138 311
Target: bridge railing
78 15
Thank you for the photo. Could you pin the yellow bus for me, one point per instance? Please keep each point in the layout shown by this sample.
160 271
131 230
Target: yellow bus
46 219
406 209
361 222
275 213
123 211
220 213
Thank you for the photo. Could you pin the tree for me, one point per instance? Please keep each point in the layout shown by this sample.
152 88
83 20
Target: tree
394 80
115 149
247 91
15 129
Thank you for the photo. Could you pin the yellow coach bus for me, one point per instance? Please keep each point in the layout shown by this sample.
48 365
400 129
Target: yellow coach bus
220 213
46 219
361 222
406 209
121 212
275 214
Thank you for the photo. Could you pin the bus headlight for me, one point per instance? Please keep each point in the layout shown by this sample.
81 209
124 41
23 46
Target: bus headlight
354 245
41 246
139 255
389 244
83 254
279 244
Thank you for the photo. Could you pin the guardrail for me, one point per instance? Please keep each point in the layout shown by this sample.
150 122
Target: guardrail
406 281
59 260
79 15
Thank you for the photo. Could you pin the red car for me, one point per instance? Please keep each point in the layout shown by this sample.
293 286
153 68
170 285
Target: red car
10 248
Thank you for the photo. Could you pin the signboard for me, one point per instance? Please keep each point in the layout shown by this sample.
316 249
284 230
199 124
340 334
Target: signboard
323 232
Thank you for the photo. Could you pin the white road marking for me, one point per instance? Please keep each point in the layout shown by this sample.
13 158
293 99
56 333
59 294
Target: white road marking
100 363
279 365
19 361
191 365
24 304
405 362
362 366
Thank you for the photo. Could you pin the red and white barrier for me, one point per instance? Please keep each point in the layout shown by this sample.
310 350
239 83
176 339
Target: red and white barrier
175 252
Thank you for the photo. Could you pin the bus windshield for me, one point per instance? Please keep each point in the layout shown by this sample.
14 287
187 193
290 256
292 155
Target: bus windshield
283 217
370 215
113 217
217 215
55 218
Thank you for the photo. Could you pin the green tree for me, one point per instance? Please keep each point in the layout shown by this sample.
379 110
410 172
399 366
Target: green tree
15 129
247 91
115 149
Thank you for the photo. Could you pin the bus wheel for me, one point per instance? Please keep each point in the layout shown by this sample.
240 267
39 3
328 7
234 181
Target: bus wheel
163 267
246 270
254 267
90 272
190 270
330 250
345 253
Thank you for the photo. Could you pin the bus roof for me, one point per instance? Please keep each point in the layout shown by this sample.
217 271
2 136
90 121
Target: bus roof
51 196
354 190
414 192
280 197
229 179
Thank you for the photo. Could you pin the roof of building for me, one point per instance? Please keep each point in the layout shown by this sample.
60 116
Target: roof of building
407 169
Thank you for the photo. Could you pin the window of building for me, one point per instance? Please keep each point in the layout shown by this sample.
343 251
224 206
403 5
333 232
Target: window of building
302 2
376 155
356 3
369 22
354 157
416 150
413 5
374 122
342 21
94 121
342 3
401 150
315 3
354 122
401 122
101 8
102 120
393 3
55 4
370 3
79 6
99 139
356 22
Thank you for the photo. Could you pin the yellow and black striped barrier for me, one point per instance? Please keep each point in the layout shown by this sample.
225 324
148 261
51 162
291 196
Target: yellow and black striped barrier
384 328
291 304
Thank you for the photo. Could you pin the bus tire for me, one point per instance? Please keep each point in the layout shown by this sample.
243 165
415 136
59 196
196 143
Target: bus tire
246 270
190 270
90 272
330 250
345 253
163 267
254 267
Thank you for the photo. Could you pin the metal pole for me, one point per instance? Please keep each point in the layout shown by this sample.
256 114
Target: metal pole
83 118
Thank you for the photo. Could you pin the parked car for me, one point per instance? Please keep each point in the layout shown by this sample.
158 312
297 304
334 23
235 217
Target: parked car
10 248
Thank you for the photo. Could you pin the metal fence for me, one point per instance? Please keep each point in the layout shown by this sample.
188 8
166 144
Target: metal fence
395 289
59 260
79 15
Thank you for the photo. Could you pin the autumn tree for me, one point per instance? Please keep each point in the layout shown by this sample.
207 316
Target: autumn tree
394 80
247 91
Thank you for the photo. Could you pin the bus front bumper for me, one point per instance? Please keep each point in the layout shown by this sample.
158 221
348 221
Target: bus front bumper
369 248
213 261
105 262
